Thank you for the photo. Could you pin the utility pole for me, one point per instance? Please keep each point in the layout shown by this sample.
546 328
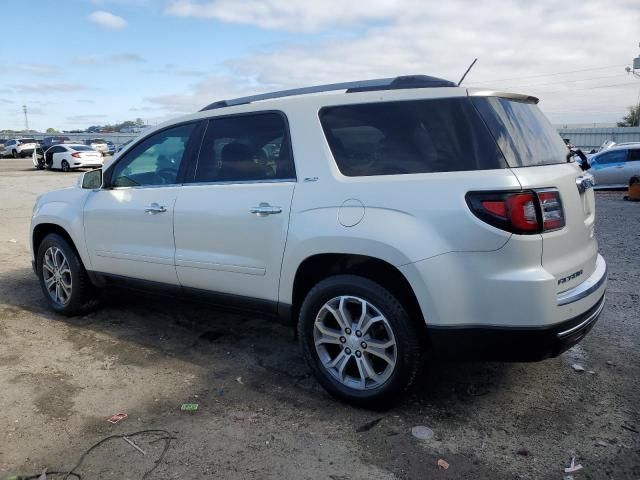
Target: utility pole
26 118
635 71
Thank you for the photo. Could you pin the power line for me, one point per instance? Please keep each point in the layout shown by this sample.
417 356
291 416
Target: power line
547 74
591 88
565 81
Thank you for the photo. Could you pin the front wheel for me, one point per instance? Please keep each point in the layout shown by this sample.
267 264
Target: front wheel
14 154
63 279
359 341
65 166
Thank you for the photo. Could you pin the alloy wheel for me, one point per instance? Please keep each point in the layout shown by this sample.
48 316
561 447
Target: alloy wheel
56 274
355 342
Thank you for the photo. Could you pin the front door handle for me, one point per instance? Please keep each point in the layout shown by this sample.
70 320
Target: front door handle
265 209
155 208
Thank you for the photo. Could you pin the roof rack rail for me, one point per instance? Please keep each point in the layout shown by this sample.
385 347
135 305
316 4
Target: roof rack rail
395 83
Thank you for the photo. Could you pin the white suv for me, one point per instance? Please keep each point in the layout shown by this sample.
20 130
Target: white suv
20 147
388 219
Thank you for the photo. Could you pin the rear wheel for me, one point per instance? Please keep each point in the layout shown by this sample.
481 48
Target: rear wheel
65 166
359 341
14 154
63 279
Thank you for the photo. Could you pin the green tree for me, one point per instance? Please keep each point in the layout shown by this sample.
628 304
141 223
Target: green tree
52 130
631 119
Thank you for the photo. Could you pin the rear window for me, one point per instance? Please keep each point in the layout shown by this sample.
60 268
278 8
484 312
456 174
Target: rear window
28 140
522 132
81 148
98 140
418 136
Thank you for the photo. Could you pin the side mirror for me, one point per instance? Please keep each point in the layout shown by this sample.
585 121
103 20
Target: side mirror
92 180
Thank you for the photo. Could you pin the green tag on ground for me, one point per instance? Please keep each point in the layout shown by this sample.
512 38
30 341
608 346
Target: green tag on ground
189 407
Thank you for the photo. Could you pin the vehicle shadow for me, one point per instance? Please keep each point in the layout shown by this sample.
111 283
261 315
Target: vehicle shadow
191 330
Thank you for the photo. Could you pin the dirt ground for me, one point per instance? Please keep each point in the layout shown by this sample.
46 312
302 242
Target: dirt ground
260 413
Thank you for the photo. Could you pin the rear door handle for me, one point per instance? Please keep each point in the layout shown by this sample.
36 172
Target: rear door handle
155 208
265 209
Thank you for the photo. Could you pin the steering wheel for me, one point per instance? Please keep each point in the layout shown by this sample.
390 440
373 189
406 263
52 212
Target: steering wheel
168 175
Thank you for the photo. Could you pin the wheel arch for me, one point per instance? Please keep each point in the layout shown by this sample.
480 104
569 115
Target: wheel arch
317 267
41 230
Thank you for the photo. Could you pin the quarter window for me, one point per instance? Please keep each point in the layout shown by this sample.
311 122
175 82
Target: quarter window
634 155
245 148
154 161
422 136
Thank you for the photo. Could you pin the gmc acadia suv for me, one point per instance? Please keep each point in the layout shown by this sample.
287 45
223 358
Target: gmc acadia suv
388 219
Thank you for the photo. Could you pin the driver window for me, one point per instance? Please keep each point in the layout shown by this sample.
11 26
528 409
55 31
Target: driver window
154 161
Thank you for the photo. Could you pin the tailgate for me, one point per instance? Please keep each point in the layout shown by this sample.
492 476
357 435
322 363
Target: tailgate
569 254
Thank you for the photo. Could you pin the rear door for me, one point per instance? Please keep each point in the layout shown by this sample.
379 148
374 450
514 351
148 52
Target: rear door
608 169
632 165
231 218
538 157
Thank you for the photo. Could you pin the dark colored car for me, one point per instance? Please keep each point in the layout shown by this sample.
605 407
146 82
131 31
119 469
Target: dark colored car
49 142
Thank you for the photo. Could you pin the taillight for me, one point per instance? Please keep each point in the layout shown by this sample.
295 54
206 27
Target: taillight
75 155
523 212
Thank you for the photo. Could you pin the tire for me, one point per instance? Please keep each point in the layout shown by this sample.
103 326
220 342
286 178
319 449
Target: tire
14 154
65 166
75 291
389 382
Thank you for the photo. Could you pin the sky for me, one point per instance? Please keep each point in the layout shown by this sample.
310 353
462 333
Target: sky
77 63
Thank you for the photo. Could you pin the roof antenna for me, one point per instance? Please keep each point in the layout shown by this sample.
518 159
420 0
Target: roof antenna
465 73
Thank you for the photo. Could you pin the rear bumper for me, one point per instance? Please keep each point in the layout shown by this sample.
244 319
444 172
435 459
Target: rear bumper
516 344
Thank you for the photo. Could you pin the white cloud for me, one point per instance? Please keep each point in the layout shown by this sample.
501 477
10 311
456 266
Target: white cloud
107 20
95 59
512 39
293 15
49 88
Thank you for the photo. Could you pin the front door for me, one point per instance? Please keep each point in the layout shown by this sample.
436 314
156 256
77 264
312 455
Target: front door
129 223
231 217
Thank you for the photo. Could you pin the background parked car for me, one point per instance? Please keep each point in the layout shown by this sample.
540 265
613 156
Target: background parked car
614 167
48 142
123 146
101 145
20 147
68 156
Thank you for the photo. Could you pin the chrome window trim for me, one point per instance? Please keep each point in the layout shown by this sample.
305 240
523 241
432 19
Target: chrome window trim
241 182
137 187
586 288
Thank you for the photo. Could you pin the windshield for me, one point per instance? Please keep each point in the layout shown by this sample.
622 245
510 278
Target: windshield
522 132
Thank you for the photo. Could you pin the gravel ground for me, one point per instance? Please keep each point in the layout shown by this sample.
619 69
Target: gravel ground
262 416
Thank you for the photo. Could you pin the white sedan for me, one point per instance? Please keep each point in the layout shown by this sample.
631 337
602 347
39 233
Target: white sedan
68 156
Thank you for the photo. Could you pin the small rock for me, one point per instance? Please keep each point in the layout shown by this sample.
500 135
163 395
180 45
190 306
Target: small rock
13 241
422 433
591 372
443 464
577 367
602 443
239 380
523 451
610 363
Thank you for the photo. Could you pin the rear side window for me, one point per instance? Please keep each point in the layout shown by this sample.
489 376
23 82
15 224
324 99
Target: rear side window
421 136
245 148
634 155
523 133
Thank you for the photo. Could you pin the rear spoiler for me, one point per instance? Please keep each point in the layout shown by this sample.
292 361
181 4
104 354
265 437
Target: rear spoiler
517 97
